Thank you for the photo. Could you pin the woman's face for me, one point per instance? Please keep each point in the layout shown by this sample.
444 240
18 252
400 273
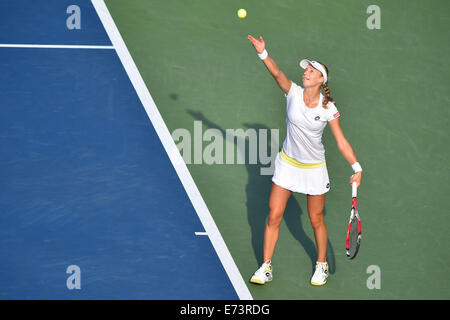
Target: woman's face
312 77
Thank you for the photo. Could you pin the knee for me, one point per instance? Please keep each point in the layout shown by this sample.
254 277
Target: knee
317 220
275 217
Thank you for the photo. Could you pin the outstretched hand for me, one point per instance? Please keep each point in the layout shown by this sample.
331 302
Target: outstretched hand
259 45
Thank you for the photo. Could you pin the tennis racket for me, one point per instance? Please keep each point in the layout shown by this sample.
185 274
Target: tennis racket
354 228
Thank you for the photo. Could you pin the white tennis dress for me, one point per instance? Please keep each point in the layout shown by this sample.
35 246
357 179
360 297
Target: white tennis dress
300 166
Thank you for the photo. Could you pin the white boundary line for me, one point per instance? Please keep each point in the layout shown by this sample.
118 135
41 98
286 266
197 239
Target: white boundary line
53 46
172 151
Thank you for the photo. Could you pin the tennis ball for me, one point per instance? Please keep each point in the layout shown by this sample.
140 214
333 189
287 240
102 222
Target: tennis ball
242 13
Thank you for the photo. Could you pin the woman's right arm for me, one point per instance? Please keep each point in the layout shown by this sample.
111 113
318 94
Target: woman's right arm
283 82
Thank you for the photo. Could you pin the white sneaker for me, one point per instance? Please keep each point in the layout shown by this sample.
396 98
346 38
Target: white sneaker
320 276
263 274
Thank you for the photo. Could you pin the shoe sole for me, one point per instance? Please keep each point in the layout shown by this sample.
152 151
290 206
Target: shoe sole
257 281
318 284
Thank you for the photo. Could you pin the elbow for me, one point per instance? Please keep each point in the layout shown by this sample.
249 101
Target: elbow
276 74
275 71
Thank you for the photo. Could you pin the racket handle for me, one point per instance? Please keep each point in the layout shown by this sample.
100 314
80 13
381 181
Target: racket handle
354 189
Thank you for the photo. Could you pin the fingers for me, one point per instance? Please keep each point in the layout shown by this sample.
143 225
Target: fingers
258 45
253 40
355 178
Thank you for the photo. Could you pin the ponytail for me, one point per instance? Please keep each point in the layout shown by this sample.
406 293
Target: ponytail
328 97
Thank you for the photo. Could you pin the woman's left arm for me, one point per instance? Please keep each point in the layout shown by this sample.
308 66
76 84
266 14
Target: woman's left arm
345 148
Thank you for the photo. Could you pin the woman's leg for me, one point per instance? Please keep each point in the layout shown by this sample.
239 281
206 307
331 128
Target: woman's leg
277 204
315 211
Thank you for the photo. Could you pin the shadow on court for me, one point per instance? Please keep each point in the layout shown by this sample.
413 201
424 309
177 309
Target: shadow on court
258 193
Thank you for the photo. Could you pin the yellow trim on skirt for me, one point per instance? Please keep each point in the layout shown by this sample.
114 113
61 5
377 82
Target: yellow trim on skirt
295 163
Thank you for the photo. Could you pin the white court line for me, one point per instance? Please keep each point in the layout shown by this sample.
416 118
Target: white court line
197 233
169 145
53 46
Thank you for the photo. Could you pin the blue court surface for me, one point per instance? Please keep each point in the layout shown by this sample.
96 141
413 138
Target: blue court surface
85 178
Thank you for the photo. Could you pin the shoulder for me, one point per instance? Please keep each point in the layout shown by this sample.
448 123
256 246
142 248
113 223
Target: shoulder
294 89
331 106
332 111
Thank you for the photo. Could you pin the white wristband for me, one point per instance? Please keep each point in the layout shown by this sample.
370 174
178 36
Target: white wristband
356 167
263 54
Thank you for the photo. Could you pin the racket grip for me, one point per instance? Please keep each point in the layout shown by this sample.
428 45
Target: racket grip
354 189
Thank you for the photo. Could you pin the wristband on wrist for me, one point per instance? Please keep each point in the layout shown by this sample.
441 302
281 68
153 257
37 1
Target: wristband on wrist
356 167
263 54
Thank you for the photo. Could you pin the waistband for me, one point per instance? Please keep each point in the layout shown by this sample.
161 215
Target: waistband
295 163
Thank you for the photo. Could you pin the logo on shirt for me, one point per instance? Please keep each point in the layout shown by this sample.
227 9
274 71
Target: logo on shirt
317 118
336 115
328 185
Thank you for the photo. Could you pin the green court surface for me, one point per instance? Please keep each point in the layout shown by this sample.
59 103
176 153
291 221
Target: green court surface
390 86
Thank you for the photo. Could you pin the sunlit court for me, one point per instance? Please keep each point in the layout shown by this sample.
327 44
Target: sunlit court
214 150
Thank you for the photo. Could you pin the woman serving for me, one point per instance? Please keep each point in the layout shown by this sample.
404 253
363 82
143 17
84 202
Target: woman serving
300 165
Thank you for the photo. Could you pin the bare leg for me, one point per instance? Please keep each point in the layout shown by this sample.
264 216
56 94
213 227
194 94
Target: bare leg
315 211
277 204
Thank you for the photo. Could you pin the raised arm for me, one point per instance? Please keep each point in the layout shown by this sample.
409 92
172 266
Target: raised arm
283 82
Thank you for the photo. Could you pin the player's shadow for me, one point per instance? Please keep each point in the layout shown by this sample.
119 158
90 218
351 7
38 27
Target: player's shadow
258 192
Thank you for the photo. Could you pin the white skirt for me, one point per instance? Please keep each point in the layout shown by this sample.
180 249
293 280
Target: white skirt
313 181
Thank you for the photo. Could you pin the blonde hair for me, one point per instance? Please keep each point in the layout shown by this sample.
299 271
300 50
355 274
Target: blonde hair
328 97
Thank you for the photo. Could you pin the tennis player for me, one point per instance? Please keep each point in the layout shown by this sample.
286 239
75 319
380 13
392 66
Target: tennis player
300 165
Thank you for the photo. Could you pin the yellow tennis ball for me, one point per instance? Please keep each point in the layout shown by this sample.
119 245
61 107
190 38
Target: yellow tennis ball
242 13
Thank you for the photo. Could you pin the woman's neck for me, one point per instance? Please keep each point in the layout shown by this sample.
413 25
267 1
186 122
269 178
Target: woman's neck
311 96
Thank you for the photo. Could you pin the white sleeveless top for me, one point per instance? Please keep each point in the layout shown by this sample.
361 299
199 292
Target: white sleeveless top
305 127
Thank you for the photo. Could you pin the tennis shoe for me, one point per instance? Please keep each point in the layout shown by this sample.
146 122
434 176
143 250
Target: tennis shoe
263 274
320 276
